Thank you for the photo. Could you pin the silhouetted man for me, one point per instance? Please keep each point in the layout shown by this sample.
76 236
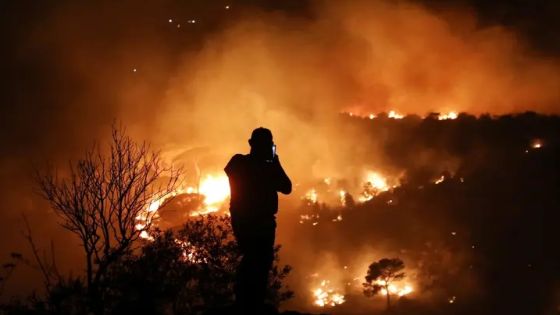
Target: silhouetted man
254 180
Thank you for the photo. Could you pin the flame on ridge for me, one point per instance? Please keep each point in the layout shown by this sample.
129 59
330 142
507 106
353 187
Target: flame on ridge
449 115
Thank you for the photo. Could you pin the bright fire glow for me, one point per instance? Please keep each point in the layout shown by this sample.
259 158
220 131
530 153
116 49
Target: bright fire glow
190 253
439 180
312 196
377 183
446 116
393 114
536 144
325 295
395 290
309 217
342 195
214 189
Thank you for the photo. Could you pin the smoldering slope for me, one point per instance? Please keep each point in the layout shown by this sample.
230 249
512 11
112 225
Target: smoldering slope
199 101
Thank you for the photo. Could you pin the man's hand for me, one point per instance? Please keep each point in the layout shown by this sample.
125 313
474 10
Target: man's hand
284 185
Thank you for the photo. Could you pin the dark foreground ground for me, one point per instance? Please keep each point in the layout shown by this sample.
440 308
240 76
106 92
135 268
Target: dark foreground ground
232 311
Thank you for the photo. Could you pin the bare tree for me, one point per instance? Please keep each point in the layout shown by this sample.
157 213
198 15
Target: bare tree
105 195
381 275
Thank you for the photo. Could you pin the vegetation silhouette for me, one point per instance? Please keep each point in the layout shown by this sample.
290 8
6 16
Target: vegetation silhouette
103 201
103 196
190 270
381 275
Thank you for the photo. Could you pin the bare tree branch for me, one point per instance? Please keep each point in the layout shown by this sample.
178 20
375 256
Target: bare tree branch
48 269
106 195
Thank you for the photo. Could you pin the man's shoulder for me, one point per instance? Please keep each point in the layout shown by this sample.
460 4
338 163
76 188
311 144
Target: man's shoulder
239 158
235 162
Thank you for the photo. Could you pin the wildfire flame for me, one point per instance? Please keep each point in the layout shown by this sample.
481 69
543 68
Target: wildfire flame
394 289
394 115
342 195
375 183
446 116
312 196
190 253
325 295
213 188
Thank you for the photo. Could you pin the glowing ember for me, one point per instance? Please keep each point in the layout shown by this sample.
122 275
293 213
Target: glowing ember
190 253
394 115
325 295
372 116
439 180
342 195
309 217
536 144
395 290
312 196
446 116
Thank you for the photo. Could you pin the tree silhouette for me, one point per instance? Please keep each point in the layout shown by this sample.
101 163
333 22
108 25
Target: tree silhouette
381 275
104 195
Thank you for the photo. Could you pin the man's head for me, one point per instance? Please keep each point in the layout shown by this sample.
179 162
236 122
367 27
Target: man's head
261 143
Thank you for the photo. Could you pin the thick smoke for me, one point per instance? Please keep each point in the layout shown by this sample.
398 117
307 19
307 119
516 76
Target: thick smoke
294 75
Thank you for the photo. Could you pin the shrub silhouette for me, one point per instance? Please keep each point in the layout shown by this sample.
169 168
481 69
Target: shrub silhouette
185 272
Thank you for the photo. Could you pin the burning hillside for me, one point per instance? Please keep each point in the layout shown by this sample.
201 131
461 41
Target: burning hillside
416 209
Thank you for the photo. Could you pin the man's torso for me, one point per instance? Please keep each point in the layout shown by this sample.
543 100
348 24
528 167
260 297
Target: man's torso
253 191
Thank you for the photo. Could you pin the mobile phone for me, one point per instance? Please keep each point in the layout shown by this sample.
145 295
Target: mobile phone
273 151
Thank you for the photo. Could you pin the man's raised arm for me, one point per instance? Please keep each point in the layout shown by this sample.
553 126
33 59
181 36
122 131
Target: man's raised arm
283 182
